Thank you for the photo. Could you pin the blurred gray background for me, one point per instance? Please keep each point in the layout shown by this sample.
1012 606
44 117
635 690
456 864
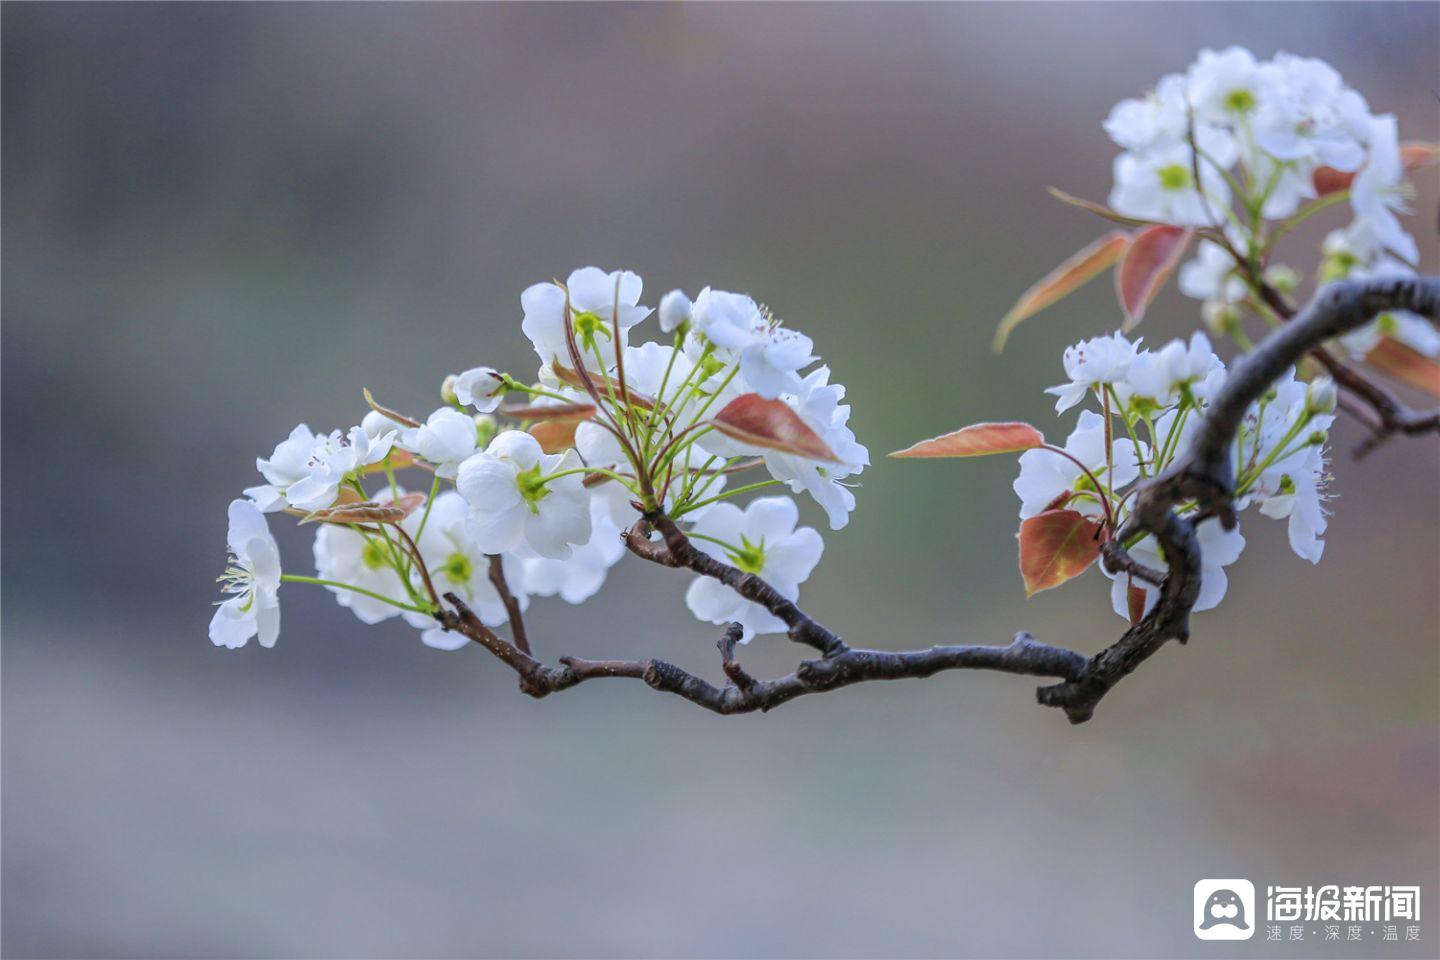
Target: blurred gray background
220 220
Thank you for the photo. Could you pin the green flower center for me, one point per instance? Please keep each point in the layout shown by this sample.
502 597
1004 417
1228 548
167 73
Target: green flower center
373 556
1240 101
1174 177
587 327
458 568
749 557
532 487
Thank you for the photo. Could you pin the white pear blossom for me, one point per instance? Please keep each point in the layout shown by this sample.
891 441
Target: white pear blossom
1379 191
761 539
457 565
1160 185
1310 117
1298 500
579 578
1047 480
818 404
306 470
253 578
481 388
1157 119
333 459
1090 363
1218 549
769 354
345 556
674 311
376 425
1228 85
289 464
597 299
515 499
445 439
1161 376
1211 275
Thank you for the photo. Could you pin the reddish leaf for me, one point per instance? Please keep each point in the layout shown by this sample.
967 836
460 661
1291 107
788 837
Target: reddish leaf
1064 280
977 440
750 418
573 412
390 414
1408 366
368 511
1413 156
1056 546
604 383
1148 263
555 436
1135 601
1328 180
1099 209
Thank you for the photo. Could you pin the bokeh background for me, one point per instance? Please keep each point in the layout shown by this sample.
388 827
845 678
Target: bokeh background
222 219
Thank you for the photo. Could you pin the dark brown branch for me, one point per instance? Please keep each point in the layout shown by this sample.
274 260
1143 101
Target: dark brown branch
512 606
1204 476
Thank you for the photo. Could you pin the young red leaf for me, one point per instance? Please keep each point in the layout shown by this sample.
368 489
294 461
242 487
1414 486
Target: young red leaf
1135 602
1099 209
1147 264
750 418
604 383
559 411
977 440
1064 280
1056 546
555 436
1408 366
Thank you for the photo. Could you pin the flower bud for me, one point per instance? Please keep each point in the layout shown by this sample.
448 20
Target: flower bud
1321 395
485 429
1282 278
1317 438
376 424
1220 318
480 388
447 391
674 311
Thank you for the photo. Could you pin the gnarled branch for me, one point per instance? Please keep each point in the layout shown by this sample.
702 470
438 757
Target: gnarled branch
1204 475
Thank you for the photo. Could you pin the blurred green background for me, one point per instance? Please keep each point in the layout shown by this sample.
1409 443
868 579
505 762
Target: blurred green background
220 220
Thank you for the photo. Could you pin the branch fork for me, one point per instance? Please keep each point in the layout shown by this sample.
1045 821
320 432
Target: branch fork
1204 476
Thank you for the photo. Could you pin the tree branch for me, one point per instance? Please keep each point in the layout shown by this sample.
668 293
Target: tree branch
1203 475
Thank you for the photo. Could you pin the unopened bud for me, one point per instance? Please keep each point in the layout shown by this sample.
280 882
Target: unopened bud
485 429
674 311
447 391
1317 438
1282 278
1221 318
1321 395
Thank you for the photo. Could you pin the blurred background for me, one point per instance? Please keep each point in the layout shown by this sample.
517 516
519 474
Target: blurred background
220 220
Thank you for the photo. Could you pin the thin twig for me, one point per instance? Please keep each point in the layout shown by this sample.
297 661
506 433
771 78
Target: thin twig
512 606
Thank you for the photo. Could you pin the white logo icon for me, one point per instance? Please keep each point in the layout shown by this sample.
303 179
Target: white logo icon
1224 909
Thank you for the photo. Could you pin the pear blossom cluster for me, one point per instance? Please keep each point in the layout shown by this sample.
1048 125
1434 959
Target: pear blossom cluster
531 485
1244 150
1140 411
